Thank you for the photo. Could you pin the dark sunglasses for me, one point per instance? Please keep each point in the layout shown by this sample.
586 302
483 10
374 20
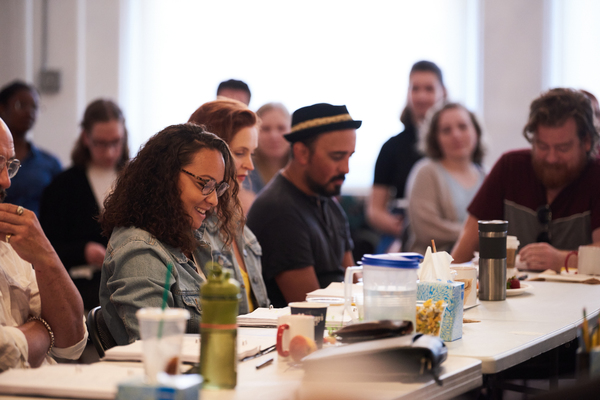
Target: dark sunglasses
209 185
544 215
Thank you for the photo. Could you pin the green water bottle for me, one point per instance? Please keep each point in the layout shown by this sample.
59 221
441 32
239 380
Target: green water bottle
219 299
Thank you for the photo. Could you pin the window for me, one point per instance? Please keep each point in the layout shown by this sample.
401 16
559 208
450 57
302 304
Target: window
574 39
299 53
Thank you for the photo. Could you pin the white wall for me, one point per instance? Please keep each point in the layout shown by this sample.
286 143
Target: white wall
514 52
84 45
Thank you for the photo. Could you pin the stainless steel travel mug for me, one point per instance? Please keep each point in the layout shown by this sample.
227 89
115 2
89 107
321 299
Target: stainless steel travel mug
492 260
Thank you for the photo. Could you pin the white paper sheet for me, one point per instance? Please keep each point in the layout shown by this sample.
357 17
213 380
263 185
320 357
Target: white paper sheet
247 345
95 381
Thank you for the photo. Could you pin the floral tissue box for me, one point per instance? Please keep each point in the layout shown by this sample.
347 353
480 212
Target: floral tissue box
451 293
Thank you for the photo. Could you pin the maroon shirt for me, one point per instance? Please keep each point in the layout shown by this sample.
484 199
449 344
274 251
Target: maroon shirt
512 192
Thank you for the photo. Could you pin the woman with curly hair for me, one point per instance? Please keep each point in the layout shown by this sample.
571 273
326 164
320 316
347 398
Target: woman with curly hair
180 177
237 125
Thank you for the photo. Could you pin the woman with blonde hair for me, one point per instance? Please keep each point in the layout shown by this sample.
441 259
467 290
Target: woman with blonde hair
273 151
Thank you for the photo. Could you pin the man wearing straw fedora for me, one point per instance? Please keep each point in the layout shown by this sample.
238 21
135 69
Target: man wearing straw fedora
301 227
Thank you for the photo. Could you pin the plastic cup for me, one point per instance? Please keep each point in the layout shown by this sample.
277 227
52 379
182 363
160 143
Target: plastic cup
162 337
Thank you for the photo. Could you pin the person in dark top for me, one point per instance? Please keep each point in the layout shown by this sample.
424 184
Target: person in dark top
549 194
301 227
399 154
19 105
71 204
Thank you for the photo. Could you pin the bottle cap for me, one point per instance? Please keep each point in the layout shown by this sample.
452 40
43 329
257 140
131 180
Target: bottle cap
219 284
493 226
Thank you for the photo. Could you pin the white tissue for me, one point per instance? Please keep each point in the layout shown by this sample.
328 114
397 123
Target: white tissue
436 266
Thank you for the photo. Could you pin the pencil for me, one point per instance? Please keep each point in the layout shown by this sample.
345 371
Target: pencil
586 334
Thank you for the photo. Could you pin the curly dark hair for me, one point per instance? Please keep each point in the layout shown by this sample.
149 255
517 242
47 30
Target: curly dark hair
554 107
147 194
100 110
432 145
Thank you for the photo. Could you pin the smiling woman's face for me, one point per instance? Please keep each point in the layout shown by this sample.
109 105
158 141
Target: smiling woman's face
206 164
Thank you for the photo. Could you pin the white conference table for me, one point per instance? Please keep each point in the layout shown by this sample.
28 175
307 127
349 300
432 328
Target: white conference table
459 375
276 381
509 332
522 327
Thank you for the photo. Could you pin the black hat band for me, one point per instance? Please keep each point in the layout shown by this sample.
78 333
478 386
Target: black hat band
313 123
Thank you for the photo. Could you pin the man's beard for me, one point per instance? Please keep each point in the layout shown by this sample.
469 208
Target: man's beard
557 176
322 189
2 195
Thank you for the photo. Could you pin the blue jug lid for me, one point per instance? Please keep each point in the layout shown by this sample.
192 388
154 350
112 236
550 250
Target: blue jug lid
393 260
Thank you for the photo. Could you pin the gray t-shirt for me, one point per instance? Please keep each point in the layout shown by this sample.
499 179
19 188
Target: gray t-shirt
296 231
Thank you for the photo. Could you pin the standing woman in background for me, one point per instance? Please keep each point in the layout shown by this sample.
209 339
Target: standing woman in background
399 154
273 151
71 204
441 187
233 122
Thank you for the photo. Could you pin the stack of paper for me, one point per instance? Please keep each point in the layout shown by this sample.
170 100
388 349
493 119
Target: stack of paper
334 290
96 381
573 277
190 351
262 317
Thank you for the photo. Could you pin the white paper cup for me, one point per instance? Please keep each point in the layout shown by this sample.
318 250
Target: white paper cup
467 275
162 335
319 311
588 260
512 244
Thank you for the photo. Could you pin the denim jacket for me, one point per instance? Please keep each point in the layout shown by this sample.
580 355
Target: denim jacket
212 248
133 276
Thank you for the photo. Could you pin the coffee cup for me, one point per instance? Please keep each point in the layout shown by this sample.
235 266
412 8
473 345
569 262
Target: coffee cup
319 311
467 275
289 326
512 244
588 260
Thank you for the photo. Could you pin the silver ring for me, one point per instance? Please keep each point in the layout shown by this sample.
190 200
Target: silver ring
20 210
8 235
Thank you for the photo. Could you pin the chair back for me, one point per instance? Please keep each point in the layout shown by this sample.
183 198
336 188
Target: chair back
98 331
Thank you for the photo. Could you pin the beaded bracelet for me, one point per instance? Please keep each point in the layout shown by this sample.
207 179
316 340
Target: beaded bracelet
43 321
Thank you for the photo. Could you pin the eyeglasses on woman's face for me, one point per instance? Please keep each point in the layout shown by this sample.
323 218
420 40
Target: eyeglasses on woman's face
209 185
12 166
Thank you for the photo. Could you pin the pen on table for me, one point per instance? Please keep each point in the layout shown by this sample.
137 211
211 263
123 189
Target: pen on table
264 363
260 353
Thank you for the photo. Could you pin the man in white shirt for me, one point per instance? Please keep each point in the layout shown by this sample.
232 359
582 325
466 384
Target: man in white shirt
41 312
